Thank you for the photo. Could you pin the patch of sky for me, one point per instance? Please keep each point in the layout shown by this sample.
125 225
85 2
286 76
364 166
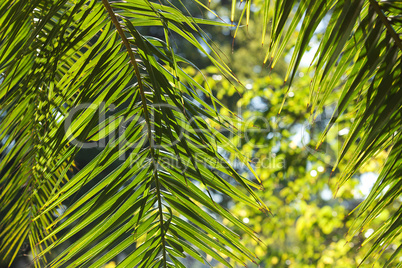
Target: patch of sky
308 56
326 193
301 137
367 181
258 104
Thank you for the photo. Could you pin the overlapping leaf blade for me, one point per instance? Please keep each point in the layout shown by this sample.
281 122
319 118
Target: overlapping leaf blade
360 54
65 65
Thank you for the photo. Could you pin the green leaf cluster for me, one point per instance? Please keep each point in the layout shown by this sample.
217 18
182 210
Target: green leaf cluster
65 65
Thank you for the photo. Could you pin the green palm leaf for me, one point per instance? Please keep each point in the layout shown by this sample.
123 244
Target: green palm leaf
360 55
64 65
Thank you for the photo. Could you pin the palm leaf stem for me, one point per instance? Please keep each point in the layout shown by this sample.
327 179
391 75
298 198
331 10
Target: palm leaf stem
145 108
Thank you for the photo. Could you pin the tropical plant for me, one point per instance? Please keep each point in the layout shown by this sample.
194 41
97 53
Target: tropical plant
308 227
359 55
64 65
79 74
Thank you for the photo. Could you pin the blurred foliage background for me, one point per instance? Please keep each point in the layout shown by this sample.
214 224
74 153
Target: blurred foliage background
311 216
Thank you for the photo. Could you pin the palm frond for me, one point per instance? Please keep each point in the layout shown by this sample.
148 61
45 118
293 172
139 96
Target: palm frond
64 65
359 55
